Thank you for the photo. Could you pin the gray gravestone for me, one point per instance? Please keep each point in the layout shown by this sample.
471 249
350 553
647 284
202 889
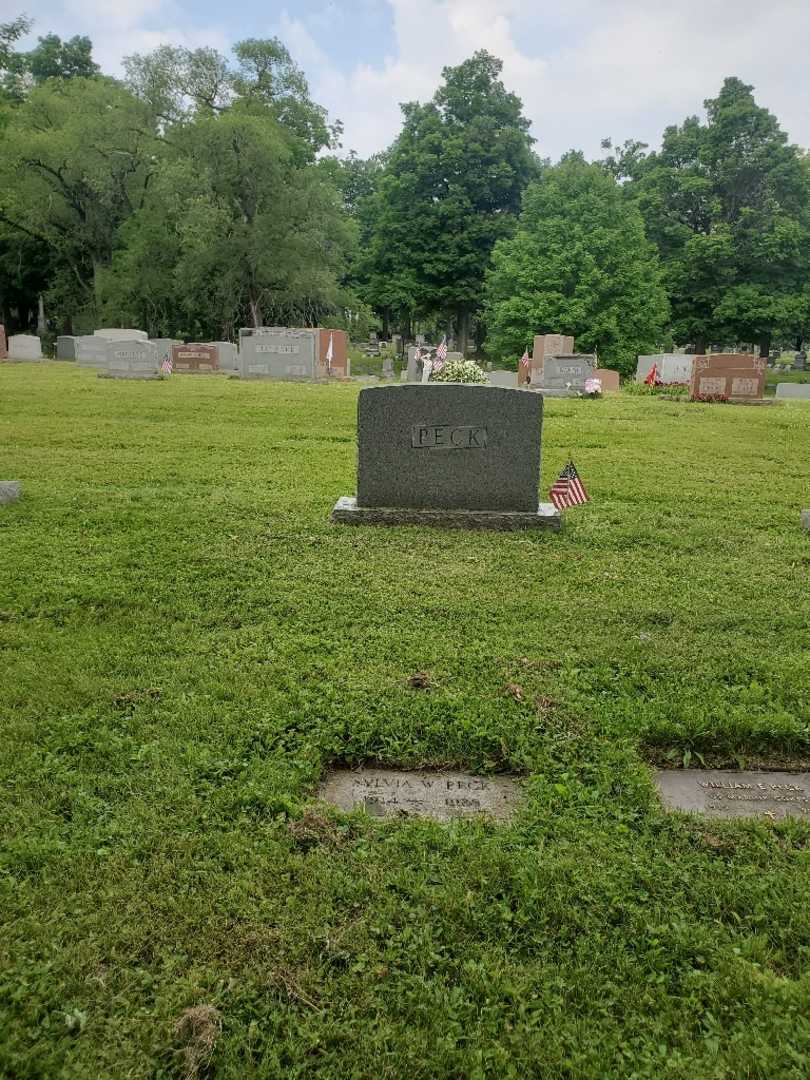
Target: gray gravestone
718 793
117 333
388 367
228 356
65 347
164 347
447 453
24 347
279 354
414 367
672 367
797 391
132 359
805 518
442 796
91 351
800 360
10 491
503 378
566 373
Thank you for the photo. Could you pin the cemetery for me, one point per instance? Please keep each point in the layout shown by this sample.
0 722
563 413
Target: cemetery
405 607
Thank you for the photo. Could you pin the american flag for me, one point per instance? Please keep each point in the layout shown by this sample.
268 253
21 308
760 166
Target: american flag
166 366
524 360
568 489
441 350
652 376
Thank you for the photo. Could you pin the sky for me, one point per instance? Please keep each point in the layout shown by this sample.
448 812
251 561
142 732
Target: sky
585 69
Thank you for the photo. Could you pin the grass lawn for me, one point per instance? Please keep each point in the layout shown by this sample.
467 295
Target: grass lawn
186 642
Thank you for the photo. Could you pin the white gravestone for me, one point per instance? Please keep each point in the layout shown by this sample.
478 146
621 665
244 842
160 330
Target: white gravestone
671 367
279 354
132 360
114 333
24 347
91 351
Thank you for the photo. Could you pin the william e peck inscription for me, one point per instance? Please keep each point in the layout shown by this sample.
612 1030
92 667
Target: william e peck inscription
727 794
441 796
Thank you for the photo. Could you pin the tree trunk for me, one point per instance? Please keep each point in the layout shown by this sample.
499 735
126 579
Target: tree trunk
700 346
765 345
386 324
463 330
255 311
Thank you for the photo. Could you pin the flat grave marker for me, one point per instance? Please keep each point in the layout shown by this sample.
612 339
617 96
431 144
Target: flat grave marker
10 491
797 391
442 796
730 794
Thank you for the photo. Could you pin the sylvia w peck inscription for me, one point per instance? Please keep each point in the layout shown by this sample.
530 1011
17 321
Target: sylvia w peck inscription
719 793
418 793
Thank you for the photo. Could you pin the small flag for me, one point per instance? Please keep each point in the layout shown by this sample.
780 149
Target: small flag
524 360
652 376
330 352
166 367
568 489
441 350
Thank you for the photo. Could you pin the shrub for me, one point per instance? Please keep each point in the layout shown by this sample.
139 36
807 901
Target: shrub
463 371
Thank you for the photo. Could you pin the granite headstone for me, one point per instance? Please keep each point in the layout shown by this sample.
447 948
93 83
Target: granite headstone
565 374
718 793
91 351
24 347
448 453
279 354
132 359
796 391
66 347
195 359
736 376
117 333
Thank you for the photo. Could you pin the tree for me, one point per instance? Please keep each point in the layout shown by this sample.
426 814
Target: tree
579 263
725 202
51 59
180 85
451 188
234 231
77 158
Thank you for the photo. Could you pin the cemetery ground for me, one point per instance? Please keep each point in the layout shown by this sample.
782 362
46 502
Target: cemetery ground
187 643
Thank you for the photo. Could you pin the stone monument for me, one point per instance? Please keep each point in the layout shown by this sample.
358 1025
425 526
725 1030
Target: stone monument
116 333
563 376
671 367
133 359
228 356
195 359
66 347
279 353
91 351
736 376
24 347
448 454
545 345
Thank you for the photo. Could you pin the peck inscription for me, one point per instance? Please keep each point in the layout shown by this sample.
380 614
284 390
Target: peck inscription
441 796
448 437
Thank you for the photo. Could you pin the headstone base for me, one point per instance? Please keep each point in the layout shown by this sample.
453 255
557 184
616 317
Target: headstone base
347 512
552 393
10 491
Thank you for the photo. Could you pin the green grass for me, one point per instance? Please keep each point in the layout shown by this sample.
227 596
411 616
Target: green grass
186 642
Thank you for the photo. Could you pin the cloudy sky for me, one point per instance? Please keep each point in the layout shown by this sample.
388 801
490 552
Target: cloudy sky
585 69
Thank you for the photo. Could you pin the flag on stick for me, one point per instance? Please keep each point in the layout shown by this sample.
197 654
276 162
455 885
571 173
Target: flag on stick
652 376
167 367
568 490
524 362
330 352
441 350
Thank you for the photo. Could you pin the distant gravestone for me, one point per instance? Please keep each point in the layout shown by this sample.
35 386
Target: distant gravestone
736 376
414 373
800 360
717 793
91 351
441 796
117 333
420 339
10 491
565 374
279 354
132 360
545 345
796 391
805 519
164 347
388 367
671 367
24 347
228 356
195 359
448 454
609 379
3 343
65 347
506 379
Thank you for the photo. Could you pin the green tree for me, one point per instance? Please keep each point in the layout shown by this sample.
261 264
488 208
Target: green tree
451 188
235 230
726 203
579 263
76 162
